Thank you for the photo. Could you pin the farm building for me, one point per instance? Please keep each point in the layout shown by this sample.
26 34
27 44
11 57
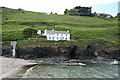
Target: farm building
81 11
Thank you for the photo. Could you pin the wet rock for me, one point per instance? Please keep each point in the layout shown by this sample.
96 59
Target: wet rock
7 52
75 64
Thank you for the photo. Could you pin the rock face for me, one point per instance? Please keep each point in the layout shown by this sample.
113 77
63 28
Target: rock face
73 52
114 54
41 52
7 52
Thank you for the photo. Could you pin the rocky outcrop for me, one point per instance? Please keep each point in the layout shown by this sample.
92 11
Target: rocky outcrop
41 52
73 52
114 54
7 52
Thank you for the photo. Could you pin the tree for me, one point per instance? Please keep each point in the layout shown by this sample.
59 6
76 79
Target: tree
94 14
20 9
51 13
55 13
118 15
79 11
66 10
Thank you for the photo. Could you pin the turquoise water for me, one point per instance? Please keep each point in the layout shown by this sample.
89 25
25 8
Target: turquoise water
99 70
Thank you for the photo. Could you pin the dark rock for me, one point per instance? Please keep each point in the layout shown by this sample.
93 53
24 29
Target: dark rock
7 52
62 53
25 53
73 52
114 54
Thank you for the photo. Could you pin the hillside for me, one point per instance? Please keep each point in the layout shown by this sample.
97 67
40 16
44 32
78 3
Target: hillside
81 27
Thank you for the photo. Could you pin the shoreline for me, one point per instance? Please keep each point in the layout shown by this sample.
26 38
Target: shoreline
11 67
15 67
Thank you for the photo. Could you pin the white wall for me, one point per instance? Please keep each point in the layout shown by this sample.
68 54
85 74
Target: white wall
39 32
68 37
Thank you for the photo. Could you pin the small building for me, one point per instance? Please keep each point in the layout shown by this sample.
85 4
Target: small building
57 35
103 15
39 32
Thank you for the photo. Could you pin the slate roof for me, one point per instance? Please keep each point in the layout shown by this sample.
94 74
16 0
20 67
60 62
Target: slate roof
57 32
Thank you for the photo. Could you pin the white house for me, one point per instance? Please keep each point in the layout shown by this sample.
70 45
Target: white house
57 35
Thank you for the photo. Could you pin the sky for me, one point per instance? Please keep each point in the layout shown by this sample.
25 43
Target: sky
59 6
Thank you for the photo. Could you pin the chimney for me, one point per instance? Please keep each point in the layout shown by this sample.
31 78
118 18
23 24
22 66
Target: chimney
67 30
45 29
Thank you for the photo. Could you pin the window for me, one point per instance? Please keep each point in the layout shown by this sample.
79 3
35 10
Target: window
62 38
66 34
61 34
57 34
57 38
49 37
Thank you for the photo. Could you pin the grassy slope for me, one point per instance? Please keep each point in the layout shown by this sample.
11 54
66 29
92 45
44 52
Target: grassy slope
81 27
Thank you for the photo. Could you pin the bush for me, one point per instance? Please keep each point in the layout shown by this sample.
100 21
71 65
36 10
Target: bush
20 9
28 32
12 35
6 19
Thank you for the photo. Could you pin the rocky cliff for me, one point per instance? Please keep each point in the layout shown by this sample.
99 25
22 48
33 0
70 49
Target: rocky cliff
73 52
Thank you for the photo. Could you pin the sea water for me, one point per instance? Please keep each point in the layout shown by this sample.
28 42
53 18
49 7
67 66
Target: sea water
91 70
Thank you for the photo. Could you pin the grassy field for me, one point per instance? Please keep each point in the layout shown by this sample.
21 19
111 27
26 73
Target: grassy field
81 27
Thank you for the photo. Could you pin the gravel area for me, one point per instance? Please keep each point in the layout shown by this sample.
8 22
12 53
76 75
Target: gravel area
9 66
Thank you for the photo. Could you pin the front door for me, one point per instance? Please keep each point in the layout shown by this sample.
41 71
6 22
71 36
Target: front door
53 38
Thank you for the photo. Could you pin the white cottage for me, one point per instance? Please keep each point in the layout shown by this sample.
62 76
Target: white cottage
57 35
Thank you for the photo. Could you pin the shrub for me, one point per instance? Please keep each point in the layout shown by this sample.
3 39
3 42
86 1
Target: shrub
12 35
20 9
28 32
6 19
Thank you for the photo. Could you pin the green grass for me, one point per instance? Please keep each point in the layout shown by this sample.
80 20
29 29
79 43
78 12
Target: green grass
81 27
107 43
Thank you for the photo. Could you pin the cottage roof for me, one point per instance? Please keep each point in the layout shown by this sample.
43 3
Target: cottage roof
57 32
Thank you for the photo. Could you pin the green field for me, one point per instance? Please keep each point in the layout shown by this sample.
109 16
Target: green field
81 27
